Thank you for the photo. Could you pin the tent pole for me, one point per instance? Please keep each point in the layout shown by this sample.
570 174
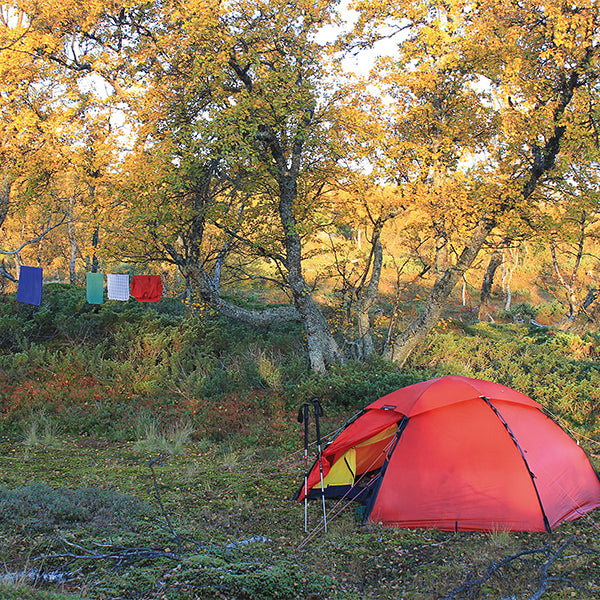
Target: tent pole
319 413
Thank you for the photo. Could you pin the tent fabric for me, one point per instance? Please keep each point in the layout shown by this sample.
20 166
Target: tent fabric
462 454
95 288
117 285
146 288
367 426
564 475
442 391
30 284
343 471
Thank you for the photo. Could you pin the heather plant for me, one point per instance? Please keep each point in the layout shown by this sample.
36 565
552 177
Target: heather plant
39 507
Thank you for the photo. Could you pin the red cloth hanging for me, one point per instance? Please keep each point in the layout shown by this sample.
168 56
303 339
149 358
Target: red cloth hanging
146 288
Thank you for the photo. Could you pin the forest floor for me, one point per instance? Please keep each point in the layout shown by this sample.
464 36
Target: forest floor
104 520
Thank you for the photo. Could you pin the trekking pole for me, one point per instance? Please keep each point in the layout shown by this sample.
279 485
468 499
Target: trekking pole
303 418
319 413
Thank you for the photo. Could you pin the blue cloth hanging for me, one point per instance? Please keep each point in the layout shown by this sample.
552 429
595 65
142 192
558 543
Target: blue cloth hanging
30 285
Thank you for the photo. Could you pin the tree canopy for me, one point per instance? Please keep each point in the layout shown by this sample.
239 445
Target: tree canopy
227 141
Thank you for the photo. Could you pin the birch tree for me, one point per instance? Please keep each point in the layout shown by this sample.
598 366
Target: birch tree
528 69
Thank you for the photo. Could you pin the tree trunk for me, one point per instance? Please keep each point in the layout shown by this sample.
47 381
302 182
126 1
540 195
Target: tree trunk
205 288
6 181
486 286
507 273
95 243
544 160
6 274
367 294
569 290
72 245
417 331
569 283
322 347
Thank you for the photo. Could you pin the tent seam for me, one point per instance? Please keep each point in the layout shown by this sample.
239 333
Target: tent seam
516 443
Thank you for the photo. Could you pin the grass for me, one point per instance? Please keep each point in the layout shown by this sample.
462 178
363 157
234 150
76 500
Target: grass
159 463
154 436
41 430
214 496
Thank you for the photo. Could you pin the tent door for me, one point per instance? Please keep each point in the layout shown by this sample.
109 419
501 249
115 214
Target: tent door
343 470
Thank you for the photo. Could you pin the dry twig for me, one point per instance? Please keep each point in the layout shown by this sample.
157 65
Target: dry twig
545 579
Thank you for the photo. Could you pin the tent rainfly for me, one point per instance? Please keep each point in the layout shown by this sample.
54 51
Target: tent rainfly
458 454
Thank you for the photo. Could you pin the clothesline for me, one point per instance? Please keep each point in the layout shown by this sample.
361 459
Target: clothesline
144 288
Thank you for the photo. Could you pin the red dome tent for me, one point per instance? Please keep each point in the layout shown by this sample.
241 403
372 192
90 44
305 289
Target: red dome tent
461 454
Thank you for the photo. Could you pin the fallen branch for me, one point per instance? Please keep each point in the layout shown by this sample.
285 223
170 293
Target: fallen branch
121 555
162 507
545 579
491 570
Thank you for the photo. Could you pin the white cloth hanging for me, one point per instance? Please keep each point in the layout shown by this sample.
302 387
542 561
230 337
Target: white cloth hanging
117 286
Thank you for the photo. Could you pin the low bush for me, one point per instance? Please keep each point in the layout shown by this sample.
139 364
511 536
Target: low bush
355 384
92 368
557 369
20 591
39 507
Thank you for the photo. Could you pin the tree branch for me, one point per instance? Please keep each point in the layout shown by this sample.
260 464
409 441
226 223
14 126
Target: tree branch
44 233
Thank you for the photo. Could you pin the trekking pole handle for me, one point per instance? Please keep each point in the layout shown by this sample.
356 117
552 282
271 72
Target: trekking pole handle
303 418
318 407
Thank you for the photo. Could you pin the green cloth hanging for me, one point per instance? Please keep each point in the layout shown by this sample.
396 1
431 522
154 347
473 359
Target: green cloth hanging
95 288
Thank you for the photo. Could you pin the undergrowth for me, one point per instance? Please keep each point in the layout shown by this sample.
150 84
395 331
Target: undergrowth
92 370
90 396
38 507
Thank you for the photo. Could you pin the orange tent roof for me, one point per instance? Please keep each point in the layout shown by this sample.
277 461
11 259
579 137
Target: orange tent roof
470 455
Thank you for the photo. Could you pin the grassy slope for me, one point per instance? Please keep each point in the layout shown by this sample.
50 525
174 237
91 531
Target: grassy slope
99 394
216 494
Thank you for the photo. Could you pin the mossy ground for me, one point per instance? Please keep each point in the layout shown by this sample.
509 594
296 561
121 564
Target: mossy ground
191 514
143 447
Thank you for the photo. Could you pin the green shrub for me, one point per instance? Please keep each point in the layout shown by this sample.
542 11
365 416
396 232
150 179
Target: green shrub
559 370
39 507
222 574
91 367
355 384
20 591
270 582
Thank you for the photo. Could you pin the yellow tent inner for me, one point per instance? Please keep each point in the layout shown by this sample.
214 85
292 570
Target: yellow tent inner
362 458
